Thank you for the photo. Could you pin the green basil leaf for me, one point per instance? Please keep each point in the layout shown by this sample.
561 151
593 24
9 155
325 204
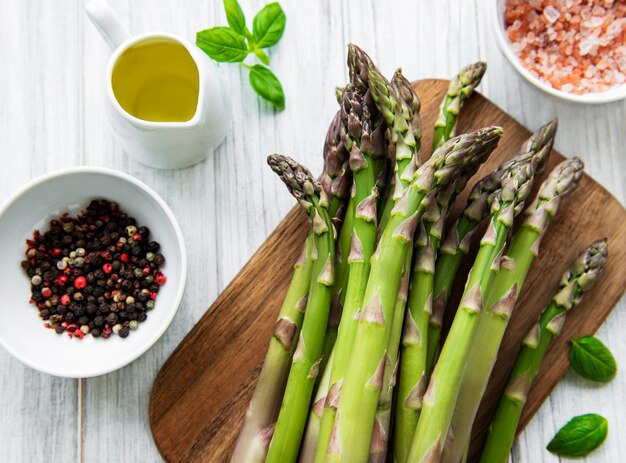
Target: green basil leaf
268 25
267 85
262 56
235 17
580 436
222 44
592 360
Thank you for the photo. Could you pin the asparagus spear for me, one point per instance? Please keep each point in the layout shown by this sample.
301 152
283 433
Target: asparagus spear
263 410
261 414
399 106
289 428
501 299
413 360
312 431
358 65
352 431
440 397
583 274
357 134
456 244
380 435
335 181
459 90
413 367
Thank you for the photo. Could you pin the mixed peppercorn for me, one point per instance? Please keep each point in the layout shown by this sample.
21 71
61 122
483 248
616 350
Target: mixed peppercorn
97 273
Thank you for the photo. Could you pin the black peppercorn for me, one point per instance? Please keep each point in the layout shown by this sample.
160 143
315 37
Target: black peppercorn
124 331
95 332
136 251
112 319
91 308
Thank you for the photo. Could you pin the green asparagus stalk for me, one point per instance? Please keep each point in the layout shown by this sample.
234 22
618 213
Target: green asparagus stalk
399 106
583 274
335 181
285 442
501 299
263 410
457 243
413 367
440 397
358 65
413 360
380 435
354 424
312 431
409 104
254 437
365 166
459 90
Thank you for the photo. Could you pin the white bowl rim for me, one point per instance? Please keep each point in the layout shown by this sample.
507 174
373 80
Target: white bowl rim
156 335
615 94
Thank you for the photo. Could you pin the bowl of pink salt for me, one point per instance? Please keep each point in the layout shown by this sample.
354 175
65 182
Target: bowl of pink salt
572 49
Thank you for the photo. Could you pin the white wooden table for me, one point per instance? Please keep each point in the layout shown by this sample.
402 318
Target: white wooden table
52 116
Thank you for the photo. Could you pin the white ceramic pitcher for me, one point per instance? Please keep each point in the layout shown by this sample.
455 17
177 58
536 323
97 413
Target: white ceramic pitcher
163 145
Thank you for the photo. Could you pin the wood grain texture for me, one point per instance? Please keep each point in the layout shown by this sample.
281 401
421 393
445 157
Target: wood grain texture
52 116
201 393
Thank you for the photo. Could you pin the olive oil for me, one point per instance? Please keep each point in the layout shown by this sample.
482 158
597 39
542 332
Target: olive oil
157 80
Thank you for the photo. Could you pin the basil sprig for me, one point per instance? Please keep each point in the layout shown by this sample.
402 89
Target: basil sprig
592 360
580 436
233 44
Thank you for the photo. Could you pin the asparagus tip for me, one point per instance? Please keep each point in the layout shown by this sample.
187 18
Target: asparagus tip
299 180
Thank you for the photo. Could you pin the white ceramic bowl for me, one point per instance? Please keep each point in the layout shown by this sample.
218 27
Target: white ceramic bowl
32 207
497 23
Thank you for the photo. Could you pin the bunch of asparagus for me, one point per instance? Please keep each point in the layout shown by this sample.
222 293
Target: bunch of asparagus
356 370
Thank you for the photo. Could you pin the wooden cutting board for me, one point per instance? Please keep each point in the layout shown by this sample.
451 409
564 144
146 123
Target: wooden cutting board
201 393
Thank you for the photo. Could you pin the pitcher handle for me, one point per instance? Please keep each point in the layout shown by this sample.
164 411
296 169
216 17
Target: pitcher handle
107 22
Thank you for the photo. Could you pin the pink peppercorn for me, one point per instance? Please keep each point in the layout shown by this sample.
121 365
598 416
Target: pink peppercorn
46 292
65 299
160 279
124 258
80 282
62 280
107 268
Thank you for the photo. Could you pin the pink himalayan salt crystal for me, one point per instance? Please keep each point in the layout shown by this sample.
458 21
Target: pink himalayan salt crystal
551 14
594 22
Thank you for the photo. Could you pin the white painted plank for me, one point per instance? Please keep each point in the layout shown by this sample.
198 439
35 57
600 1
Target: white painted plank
39 131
